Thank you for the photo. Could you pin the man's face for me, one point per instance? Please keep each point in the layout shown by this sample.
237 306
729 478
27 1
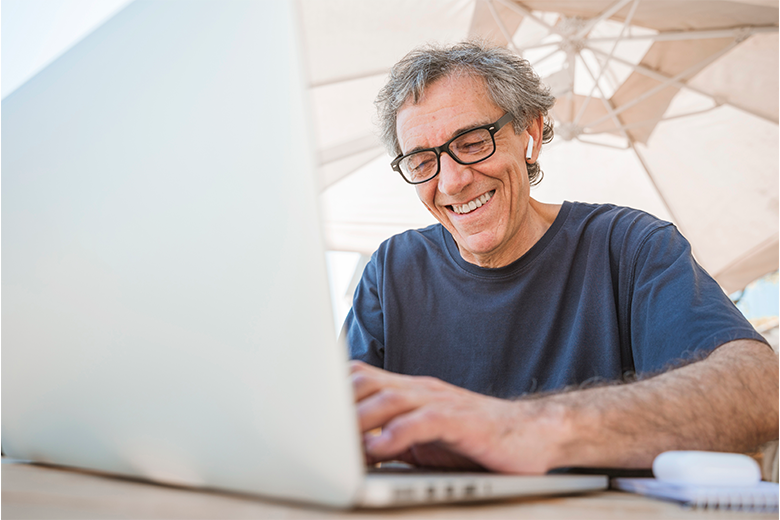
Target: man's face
492 234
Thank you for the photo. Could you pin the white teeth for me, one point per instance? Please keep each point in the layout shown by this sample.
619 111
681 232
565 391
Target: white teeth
473 204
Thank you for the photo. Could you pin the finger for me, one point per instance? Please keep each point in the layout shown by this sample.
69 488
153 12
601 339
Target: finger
407 457
367 380
423 425
382 406
357 366
365 384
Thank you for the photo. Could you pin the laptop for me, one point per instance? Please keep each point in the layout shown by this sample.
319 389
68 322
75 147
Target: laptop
165 298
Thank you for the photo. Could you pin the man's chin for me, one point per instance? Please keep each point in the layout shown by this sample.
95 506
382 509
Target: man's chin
477 249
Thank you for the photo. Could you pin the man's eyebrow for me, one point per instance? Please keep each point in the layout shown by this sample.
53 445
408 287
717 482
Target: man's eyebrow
457 132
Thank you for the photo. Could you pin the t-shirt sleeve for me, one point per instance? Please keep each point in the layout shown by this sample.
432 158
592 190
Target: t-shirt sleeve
364 325
677 311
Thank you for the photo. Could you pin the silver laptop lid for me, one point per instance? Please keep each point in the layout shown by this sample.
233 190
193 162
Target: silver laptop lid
165 303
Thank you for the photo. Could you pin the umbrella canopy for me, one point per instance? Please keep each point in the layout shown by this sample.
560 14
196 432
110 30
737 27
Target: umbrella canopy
670 106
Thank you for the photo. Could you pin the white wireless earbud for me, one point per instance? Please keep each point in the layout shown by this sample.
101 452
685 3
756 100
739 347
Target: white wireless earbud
530 150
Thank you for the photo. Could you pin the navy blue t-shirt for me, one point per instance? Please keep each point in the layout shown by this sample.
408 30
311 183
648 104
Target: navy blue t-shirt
605 291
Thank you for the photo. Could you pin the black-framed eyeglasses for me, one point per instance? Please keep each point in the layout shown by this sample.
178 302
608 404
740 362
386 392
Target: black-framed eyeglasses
469 147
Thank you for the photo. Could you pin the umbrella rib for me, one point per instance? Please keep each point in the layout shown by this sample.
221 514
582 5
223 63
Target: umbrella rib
571 60
537 46
658 190
613 114
693 35
645 167
546 56
501 26
662 77
614 8
673 81
758 247
743 108
606 145
346 174
608 106
603 68
623 127
521 9
347 149
656 120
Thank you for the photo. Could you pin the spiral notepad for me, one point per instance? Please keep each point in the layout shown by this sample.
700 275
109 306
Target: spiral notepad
760 497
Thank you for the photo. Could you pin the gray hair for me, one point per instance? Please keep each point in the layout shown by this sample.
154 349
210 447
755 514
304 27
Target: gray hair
511 83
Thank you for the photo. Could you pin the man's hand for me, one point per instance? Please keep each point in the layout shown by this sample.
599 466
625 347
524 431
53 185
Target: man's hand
727 402
428 422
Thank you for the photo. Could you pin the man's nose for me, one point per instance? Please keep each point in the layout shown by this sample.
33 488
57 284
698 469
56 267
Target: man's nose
453 177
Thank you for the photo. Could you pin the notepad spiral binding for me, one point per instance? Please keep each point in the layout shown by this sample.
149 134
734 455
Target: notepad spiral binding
749 502
762 497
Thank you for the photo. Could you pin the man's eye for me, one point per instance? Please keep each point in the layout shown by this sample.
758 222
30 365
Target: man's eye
422 165
417 164
472 144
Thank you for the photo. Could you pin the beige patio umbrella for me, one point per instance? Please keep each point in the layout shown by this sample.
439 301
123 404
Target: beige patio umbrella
665 105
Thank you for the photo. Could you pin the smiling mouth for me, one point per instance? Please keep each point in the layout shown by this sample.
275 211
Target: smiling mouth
462 209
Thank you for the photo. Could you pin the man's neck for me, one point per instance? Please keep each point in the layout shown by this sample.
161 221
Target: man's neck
538 219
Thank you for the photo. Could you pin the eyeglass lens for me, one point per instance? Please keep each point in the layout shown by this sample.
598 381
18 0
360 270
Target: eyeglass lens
468 148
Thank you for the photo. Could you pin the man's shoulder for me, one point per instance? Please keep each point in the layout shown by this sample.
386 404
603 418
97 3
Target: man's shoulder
415 239
414 245
586 210
614 219
631 239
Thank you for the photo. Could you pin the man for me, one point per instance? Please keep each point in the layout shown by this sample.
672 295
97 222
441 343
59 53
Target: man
493 333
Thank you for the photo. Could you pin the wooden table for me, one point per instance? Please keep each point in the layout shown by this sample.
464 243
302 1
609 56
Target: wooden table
31 491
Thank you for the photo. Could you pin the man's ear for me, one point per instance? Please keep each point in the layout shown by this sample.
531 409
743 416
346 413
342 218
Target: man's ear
535 130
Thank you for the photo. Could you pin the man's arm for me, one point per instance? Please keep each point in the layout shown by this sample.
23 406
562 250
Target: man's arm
726 402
